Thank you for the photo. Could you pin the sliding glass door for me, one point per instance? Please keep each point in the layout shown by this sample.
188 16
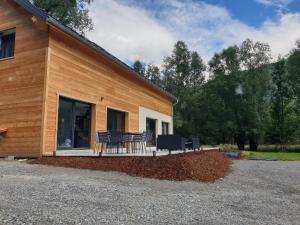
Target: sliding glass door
74 124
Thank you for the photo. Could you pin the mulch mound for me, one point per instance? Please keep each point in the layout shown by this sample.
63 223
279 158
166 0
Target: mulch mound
205 166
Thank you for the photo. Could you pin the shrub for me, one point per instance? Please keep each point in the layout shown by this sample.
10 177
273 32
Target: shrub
277 148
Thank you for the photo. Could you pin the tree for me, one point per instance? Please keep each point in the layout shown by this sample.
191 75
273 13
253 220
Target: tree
177 67
293 66
255 56
197 68
71 13
242 88
139 68
153 74
183 75
225 63
281 100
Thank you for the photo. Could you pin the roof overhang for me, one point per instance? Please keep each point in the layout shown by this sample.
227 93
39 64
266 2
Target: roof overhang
43 16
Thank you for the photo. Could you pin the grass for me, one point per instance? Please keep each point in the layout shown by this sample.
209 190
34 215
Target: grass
282 156
265 148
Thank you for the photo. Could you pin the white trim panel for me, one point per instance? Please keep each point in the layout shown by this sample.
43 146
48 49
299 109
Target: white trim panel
159 117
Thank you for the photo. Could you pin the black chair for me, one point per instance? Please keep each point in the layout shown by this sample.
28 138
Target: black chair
115 140
127 139
193 143
170 142
137 140
148 138
101 138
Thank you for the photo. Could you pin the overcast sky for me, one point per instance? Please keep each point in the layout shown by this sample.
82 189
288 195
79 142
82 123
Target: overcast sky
147 30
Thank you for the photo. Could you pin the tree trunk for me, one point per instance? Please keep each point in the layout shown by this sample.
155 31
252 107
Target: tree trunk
240 141
253 144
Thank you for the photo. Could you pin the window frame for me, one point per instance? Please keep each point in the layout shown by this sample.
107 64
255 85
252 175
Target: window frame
14 31
167 126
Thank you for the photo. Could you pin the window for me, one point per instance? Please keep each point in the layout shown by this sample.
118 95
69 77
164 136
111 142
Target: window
164 128
7 43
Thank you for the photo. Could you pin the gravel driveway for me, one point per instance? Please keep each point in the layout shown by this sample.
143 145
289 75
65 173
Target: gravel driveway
257 192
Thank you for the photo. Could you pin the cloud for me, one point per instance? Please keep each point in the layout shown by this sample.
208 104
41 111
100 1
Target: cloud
128 32
280 5
277 3
147 30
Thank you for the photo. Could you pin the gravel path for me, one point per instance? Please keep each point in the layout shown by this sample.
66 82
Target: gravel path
257 192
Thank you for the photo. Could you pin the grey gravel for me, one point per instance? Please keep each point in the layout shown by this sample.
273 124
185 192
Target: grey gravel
257 192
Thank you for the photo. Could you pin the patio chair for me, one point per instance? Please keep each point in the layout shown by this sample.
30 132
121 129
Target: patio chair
115 140
97 143
127 139
136 141
104 140
146 138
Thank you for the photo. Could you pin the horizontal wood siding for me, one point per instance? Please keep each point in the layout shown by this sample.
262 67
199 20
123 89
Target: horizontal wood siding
22 84
78 72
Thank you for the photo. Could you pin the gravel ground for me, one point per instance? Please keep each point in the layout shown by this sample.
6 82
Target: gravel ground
257 192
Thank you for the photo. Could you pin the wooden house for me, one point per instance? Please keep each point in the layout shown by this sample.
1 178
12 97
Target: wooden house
57 88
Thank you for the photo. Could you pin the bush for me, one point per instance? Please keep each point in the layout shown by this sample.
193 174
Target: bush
276 148
228 147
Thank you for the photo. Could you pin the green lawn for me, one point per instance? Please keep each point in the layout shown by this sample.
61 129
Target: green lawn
272 156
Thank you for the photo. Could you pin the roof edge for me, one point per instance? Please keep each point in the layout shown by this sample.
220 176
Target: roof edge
42 15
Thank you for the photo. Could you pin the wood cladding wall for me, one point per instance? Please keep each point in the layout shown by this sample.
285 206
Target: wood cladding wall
22 84
80 73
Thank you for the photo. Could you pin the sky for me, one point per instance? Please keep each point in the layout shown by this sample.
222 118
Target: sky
147 30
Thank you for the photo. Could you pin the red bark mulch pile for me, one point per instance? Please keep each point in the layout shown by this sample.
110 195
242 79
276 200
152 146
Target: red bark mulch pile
205 166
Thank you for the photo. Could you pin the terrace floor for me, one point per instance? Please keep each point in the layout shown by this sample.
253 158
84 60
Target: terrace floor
90 152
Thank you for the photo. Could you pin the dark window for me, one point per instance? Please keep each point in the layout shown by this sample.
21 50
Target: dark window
7 43
165 128
151 126
116 120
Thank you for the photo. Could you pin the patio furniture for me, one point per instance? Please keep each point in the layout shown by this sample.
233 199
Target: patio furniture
97 142
148 136
170 142
136 141
101 139
193 143
127 139
115 140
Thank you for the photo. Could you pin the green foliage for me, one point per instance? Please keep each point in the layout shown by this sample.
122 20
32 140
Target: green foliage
277 148
72 13
183 76
183 68
282 104
150 72
139 67
246 101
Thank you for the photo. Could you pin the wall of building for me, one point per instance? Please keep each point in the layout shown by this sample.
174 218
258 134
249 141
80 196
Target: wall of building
159 117
77 72
22 84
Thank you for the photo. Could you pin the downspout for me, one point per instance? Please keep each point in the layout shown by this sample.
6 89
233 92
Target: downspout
175 103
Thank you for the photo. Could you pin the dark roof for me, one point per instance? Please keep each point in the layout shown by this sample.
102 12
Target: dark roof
43 16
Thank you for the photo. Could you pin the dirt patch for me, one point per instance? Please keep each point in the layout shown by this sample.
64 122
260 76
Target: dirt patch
205 166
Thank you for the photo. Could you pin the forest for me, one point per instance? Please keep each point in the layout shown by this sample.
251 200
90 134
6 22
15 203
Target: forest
241 96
